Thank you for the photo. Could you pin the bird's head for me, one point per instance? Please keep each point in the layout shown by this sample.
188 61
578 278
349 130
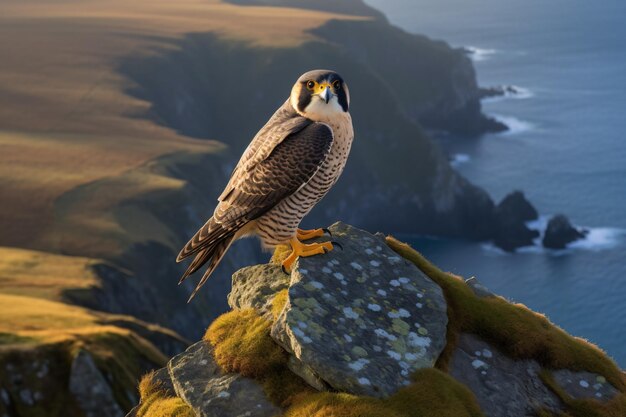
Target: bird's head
320 95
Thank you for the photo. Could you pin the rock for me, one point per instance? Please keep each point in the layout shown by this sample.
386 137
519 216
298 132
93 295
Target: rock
90 389
515 206
503 387
255 287
584 385
199 381
560 232
498 91
511 216
479 289
361 317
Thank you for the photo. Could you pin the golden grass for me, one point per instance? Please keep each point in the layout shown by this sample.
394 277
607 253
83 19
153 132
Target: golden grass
43 275
26 314
65 113
155 402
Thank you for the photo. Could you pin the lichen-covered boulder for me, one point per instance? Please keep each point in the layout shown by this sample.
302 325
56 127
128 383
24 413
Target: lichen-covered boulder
361 318
584 385
504 387
255 287
210 392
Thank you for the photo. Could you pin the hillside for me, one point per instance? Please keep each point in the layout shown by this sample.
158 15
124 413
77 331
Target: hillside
59 359
103 144
375 330
119 124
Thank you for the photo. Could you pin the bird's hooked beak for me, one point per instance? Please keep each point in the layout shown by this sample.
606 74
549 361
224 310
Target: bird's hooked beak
326 94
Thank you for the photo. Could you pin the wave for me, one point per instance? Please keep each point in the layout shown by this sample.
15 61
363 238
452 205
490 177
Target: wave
513 92
514 124
459 159
479 54
597 239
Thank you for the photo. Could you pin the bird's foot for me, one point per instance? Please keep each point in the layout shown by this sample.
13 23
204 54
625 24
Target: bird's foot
303 234
301 249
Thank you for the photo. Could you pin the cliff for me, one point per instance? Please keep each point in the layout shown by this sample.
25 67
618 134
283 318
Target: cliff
155 122
373 329
114 151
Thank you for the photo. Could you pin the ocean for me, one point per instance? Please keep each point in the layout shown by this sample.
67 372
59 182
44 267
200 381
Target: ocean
566 149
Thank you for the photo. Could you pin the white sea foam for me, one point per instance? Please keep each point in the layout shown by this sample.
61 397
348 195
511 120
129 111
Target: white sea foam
597 239
459 159
515 125
479 54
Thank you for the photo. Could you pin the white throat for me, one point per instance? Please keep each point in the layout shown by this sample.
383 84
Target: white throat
320 111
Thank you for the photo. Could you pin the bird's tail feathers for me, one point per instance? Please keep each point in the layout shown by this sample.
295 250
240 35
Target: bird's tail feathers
215 254
208 235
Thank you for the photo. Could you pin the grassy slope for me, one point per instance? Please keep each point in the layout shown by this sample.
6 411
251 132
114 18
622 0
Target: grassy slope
37 328
67 124
65 117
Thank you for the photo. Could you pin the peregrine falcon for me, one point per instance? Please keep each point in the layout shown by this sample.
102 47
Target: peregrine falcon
288 167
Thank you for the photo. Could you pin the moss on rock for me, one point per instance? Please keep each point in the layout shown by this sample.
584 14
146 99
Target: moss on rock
432 393
157 402
242 344
521 334
585 407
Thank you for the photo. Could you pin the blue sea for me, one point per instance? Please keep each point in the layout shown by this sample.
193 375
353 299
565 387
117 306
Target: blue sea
566 149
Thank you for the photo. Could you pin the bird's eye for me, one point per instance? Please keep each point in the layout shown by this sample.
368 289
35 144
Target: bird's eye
310 85
336 84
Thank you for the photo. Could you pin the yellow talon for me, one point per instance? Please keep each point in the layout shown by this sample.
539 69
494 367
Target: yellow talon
302 234
301 249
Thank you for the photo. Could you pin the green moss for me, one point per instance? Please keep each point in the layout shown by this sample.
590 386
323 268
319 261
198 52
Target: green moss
513 328
432 394
278 303
242 343
616 407
157 402
326 404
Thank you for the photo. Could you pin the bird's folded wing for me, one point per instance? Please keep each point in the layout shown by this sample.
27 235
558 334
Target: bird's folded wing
283 123
255 191
287 167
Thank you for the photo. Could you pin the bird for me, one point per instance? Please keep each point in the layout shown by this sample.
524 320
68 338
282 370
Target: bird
288 167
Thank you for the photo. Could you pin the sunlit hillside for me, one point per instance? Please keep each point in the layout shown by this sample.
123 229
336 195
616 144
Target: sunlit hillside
119 122
65 118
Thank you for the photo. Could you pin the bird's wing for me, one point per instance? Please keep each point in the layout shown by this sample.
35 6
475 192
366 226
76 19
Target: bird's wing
286 168
283 123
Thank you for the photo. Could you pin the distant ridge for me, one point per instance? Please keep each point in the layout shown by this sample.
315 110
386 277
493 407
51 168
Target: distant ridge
349 7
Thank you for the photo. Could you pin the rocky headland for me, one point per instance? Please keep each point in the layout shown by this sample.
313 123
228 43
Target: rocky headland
373 329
